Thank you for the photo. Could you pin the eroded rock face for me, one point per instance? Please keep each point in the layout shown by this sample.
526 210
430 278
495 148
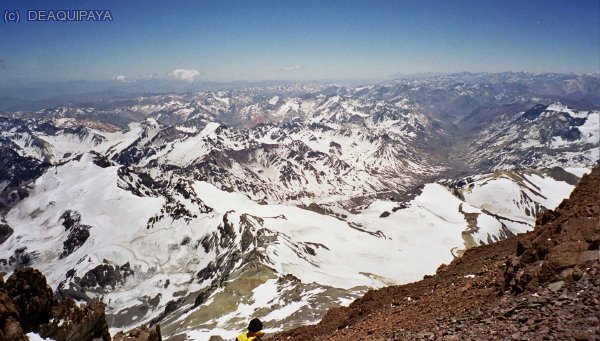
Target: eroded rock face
32 297
78 233
27 305
10 327
70 322
142 333
5 232
104 276
564 241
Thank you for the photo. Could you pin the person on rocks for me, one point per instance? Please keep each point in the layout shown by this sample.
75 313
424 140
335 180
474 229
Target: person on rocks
254 331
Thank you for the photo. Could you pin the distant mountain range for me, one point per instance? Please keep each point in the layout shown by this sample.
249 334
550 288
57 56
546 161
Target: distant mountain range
197 210
19 95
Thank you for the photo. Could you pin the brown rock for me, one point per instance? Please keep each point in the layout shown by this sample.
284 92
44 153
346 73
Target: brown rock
141 333
76 323
27 305
10 328
588 256
32 297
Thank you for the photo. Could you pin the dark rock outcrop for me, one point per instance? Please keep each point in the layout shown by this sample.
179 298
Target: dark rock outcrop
20 258
105 276
5 232
16 170
78 233
27 305
534 112
31 295
142 333
10 327
101 160
76 238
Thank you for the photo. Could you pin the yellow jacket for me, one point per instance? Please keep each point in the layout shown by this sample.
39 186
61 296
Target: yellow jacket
250 336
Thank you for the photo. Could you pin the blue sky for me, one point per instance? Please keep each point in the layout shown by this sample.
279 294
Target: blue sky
301 40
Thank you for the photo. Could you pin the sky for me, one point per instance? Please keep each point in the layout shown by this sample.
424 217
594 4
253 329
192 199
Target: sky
299 40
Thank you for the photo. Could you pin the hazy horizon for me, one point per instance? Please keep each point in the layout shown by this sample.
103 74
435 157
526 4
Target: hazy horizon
218 41
341 81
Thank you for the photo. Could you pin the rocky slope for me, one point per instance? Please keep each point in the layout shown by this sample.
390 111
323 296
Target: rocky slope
543 284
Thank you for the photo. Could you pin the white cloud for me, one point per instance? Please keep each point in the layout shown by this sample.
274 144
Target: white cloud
292 68
184 74
119 78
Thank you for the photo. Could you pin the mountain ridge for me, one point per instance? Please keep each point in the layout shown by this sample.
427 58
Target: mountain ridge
172 216
477 295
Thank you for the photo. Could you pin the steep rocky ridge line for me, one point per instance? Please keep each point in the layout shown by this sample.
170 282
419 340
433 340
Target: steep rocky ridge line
543 284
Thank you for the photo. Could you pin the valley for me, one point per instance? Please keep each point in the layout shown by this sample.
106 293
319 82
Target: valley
197 211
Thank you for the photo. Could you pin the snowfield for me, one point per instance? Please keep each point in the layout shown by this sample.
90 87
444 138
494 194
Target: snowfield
362 250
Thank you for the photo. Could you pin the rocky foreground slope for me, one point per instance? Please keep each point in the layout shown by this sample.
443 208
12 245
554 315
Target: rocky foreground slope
541 285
